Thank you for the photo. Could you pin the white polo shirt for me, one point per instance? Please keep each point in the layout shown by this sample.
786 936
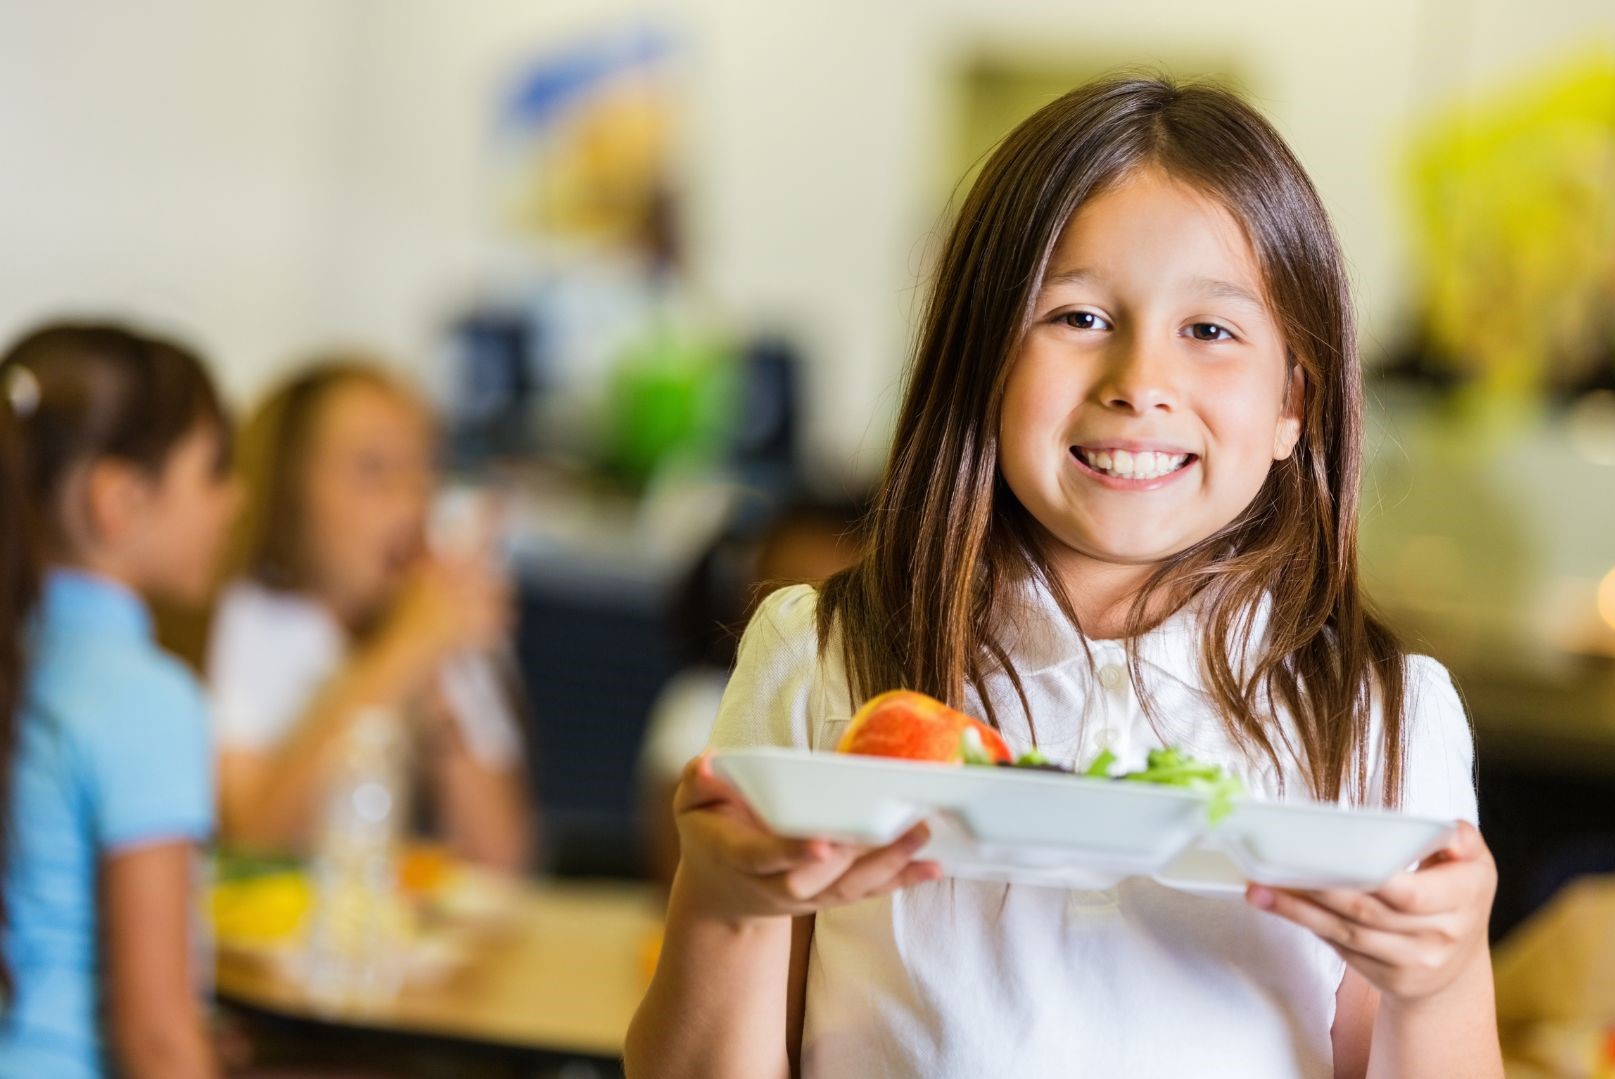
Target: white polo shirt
969 978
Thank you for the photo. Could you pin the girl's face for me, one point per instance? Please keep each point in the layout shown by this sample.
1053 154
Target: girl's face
370 478
1151 393
180 520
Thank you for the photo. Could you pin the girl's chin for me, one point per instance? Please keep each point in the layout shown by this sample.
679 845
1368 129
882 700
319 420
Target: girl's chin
185 595
1130 550
381 591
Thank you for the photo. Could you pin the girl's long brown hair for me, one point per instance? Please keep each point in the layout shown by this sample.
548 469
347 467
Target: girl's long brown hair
272 459
947 538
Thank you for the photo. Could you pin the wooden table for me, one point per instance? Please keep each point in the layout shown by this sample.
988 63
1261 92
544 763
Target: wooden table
563 975
1556 983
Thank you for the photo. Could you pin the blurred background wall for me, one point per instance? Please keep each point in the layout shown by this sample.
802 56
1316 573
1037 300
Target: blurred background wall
274 176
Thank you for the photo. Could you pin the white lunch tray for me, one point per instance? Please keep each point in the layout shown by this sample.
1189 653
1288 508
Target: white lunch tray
1067 831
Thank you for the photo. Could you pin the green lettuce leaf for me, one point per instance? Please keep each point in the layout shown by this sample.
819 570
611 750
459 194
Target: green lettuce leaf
1171 767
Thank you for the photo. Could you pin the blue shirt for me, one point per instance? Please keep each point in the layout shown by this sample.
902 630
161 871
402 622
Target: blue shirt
113 752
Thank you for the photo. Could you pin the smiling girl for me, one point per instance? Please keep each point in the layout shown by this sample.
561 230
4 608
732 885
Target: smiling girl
1120 511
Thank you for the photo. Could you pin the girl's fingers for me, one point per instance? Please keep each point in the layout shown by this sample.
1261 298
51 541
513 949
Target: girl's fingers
1466 845
804 883
1378 973
1379 944
880 867
826 878
700 788
1366 909
1428 891
1447 880
715 811
750 850
912 874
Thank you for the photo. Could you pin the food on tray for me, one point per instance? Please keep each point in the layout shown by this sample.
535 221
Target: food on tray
1171 767
916 727
913 726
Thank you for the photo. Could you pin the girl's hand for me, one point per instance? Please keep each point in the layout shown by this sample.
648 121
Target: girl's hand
739 871
1415 936
451 605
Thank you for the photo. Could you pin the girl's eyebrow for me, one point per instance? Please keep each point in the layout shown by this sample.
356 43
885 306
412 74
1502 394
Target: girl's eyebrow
1226 290
1211 287
1070 277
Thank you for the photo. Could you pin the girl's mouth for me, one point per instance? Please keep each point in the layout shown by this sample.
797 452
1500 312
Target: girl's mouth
1132 470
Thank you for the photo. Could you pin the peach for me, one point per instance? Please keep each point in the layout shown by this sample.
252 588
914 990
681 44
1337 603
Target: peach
902 723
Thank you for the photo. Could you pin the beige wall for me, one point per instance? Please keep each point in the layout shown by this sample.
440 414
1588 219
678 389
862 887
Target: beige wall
276 174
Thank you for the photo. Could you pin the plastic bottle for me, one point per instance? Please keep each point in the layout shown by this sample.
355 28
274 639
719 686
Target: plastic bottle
358 937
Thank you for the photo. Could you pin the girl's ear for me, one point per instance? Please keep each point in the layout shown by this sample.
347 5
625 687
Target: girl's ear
115 494
1288 431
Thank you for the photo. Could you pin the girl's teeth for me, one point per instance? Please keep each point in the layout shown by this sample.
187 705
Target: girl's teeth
1135 466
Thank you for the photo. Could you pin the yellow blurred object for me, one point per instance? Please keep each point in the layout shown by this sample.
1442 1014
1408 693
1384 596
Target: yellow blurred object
1555 978
1514 228
266 910
433 921
650 953
588 143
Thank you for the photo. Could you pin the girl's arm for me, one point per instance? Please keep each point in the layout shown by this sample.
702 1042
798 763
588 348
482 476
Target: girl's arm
727 996
1454 1033
268 799
1420 941
154 1020
718 1003
483 810
1356 1006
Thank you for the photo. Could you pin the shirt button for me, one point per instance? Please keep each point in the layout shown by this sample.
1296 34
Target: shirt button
1113 676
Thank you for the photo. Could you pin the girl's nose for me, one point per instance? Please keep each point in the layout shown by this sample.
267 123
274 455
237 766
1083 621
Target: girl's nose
1137 378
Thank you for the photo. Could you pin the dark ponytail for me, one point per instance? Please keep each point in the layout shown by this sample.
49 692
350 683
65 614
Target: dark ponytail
97 391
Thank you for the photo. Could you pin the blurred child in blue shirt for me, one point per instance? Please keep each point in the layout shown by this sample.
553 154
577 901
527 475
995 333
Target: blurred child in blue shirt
125 452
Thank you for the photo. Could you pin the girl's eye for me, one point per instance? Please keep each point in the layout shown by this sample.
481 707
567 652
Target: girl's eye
1210 331
1084 320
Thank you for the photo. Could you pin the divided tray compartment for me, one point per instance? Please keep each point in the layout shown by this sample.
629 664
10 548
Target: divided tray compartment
1308 845
986 823
1064 831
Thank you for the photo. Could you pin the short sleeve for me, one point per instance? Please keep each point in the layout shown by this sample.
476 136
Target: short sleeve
149 763
775 695
1438 761
268 656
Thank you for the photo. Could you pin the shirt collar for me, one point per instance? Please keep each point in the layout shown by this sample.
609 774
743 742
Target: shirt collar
76 601
1038 637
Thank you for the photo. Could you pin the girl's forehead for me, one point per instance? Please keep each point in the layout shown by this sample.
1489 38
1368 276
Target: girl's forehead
1150 228
362 408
